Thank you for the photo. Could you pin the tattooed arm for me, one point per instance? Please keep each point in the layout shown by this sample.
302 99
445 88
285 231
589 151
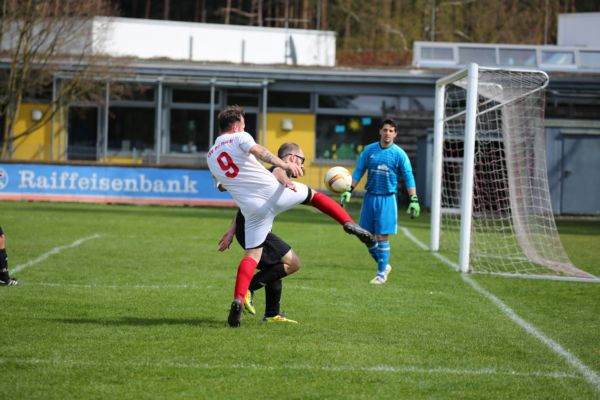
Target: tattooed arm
263 154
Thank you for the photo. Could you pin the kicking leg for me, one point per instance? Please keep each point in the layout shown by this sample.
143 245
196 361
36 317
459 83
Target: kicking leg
326 205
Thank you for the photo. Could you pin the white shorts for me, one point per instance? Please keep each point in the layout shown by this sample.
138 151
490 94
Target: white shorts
259 221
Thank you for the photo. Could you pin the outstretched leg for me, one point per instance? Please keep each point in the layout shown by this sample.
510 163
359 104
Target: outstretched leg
326 205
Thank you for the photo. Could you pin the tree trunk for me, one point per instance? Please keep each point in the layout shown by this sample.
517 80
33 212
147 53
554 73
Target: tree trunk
227 12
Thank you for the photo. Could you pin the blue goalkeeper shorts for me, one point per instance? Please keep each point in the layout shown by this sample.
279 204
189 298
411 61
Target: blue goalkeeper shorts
379 214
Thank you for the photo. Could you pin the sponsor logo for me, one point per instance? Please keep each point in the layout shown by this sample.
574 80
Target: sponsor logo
71 180
3 179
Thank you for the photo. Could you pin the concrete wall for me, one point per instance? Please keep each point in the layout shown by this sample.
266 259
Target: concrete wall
579 29
38 144
213 42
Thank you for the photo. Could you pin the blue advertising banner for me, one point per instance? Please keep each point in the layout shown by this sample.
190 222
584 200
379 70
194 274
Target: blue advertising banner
109 184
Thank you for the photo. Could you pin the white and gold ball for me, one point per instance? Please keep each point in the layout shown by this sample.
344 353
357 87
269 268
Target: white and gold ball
338 179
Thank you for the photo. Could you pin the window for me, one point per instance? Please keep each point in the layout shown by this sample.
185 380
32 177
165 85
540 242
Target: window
590 59
364 103
189 130
517 57
558 57
422 103
478 55
120 92
244 98
572 104
344 137
437 53
288 100
193 96
83 125
131 128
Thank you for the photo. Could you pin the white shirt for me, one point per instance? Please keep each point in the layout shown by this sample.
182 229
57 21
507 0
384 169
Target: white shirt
248 181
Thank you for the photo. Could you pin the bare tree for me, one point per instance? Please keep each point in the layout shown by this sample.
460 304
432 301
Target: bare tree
39 39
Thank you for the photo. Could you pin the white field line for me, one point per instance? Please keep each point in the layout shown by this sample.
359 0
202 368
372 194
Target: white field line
53 251
149 286
377 368
589 375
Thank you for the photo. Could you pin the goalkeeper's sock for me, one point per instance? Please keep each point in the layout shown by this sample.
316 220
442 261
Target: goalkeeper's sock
374 252
327 206
265 277
384 256
273 298
244 276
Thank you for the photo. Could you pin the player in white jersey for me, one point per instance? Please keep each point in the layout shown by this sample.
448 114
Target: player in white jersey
260 194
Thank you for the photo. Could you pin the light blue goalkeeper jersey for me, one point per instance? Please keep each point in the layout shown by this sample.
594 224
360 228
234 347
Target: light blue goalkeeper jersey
384 166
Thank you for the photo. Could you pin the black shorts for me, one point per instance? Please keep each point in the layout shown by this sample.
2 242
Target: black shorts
273 247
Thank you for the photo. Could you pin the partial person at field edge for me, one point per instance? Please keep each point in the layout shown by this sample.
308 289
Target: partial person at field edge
5 279
384 162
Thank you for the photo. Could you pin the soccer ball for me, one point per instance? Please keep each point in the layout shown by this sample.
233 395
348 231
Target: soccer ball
338 179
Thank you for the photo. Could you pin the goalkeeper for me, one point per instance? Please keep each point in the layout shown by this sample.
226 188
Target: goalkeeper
383 161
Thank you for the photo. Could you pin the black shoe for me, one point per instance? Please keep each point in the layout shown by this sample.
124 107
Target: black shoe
364 235
10 282
235 314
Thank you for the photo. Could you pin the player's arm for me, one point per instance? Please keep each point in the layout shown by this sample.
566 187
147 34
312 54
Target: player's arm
414 209
263 154
283 178
218 184
227 238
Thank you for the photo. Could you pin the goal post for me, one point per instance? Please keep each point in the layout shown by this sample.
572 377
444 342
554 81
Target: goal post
491 210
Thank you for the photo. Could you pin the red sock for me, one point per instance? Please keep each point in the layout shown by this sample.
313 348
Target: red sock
244 276
330 207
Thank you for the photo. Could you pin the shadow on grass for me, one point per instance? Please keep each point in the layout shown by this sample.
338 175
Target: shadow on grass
138 321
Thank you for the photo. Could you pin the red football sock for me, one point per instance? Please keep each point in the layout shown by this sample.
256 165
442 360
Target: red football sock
244 276
330 207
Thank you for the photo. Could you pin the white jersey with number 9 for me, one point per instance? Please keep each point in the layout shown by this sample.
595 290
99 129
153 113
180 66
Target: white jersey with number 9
255 190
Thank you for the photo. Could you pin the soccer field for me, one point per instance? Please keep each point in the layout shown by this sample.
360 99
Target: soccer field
132 301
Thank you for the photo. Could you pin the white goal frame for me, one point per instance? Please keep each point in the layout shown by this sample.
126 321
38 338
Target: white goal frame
471 73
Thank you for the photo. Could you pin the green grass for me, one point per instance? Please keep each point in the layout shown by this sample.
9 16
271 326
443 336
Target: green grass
140 312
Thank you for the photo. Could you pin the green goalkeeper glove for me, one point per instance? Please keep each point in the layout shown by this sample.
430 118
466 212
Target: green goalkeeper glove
413 207
345 197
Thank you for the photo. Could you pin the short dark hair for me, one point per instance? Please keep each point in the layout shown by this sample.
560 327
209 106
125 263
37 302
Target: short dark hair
389 122
229 116
287 148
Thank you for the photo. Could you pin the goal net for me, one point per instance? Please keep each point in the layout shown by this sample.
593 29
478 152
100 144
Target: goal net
491 209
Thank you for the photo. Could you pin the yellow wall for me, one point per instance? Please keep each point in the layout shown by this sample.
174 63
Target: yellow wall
303 133
36 146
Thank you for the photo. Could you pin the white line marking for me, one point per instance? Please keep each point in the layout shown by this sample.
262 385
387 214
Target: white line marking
53 251
103 286
376 368
589 375
150 286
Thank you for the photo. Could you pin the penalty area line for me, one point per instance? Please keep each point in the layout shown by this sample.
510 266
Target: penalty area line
53 251
588 374
402 369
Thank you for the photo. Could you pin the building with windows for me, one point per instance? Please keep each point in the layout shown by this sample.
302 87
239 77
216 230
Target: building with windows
167 115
